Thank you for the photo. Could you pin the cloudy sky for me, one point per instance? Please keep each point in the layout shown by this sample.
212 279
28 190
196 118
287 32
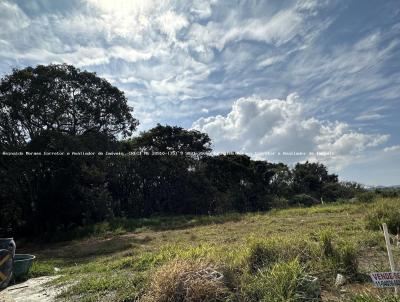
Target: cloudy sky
260 77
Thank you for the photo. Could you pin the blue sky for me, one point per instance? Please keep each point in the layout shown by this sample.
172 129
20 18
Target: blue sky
261 77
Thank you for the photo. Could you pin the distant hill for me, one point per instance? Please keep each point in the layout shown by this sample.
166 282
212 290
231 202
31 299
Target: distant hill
382 187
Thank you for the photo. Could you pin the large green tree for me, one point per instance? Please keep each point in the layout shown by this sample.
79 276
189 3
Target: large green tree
310 178
63 99
172 138
170 183
57 108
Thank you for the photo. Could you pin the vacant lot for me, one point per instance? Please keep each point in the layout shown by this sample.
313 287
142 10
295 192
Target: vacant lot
248 257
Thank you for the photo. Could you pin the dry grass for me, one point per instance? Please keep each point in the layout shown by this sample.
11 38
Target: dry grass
187 281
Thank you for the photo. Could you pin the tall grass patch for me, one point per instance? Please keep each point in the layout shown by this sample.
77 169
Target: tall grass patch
149 260
384 211
283 282
266 252
340 257
326 240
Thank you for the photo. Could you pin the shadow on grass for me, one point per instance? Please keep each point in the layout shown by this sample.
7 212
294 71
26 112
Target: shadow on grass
66 255
75 251
119 226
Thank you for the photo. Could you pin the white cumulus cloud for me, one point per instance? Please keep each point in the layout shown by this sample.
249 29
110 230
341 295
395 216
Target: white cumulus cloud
258 126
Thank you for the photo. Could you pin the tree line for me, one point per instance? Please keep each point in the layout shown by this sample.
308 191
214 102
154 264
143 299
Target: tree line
61 108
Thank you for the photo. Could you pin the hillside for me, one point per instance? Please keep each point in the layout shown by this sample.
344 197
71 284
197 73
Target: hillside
119 264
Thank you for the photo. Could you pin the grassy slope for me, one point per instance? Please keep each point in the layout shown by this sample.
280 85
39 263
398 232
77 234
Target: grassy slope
117 263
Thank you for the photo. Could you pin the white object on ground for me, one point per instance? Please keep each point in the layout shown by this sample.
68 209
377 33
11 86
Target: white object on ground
340 280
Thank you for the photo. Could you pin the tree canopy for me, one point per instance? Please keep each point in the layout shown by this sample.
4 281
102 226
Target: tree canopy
63 99
170 138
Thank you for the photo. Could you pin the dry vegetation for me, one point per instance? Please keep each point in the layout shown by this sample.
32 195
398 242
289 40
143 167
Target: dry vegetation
272 256
191 281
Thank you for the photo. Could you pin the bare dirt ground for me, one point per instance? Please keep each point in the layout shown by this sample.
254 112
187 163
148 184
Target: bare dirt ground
32 290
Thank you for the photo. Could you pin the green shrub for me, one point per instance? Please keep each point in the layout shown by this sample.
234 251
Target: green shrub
279 203
388 193
261 254
266 252
303 200
366 197
331 191
285 281
384 211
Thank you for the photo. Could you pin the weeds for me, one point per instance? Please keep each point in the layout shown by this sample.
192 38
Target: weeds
326 237
266 252
348 259
284 282
384 211
368 297
343 257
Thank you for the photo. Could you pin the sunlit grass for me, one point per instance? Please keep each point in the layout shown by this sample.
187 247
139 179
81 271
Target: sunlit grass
118 264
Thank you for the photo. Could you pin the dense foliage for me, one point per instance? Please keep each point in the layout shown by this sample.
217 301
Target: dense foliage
62 99
58 108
